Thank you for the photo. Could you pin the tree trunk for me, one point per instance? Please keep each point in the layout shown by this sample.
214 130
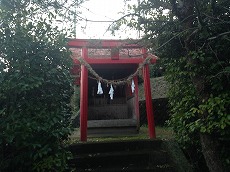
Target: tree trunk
209 144
185 11
211 153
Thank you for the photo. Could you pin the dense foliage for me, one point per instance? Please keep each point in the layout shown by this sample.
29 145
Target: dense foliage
192 39
35 87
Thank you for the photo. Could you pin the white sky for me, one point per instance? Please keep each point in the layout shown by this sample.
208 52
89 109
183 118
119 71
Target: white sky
102 10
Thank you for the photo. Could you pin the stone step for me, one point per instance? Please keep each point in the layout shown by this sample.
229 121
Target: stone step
112 127
113 146
112 131
130 156
128 161
131 168
112 123
121 159
135 155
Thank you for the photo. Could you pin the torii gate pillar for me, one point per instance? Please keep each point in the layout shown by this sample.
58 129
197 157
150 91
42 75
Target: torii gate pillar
84 99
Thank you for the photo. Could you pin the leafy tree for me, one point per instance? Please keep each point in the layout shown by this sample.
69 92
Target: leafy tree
35 86
193 38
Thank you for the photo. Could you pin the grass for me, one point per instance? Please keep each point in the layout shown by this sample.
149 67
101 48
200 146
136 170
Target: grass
161 133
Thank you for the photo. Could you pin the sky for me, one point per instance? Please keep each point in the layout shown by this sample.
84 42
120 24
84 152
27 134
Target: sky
102 10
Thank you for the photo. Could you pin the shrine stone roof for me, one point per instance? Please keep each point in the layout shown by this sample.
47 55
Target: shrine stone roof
159 88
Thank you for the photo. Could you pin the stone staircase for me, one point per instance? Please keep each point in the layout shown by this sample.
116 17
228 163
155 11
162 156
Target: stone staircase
139 155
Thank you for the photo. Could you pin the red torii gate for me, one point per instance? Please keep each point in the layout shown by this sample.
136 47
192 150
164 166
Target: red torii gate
114 46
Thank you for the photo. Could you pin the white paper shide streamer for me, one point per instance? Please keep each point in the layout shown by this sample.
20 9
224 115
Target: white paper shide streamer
132 86
111 92
99 88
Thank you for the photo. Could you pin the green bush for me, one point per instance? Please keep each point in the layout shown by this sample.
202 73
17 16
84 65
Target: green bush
34 94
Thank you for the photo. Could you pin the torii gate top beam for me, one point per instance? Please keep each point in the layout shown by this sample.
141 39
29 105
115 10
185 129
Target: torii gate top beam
115 46
95 43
